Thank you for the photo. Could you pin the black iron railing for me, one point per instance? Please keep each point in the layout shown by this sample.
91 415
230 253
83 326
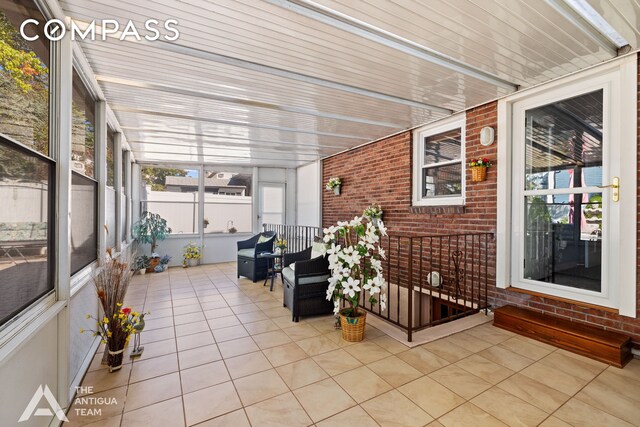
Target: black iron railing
434 279
299 237
431 279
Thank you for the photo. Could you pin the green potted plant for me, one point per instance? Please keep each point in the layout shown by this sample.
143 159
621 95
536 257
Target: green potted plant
141 264
150 228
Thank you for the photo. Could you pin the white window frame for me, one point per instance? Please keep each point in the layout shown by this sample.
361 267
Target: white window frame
419 135
618 78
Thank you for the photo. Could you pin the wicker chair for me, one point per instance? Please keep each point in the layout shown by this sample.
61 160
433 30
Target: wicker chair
305 287
249 265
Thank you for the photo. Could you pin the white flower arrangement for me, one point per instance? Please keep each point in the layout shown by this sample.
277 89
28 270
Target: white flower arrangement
355 264
373 211
332 183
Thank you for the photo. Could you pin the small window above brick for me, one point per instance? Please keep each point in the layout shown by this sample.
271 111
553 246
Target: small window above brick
439 164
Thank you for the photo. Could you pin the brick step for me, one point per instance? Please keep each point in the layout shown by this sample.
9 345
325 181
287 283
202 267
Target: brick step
590 341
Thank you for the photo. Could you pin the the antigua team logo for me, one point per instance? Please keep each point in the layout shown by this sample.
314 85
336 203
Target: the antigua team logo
54 406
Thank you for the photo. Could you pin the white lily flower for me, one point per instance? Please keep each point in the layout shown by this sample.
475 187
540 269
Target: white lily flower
350 287
383 302
382 228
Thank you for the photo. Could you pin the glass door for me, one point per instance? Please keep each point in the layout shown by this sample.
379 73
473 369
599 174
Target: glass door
561 208
271 208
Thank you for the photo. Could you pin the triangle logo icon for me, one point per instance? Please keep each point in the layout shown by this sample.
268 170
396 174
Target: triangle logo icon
54 406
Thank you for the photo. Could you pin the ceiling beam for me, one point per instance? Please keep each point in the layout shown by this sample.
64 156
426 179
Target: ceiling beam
230 137
594 33
225 146
266 69
242 101
318 12
124 109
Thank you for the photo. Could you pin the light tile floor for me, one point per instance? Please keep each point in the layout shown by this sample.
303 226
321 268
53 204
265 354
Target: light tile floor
223 352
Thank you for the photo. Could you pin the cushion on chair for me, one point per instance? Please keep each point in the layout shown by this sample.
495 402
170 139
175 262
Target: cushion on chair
248 253
290 276
292 266
263 238
318 249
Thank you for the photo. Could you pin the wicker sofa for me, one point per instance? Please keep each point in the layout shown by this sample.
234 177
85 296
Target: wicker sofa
305 285
249 265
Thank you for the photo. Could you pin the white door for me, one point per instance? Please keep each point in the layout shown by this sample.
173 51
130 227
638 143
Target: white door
271 208
561 212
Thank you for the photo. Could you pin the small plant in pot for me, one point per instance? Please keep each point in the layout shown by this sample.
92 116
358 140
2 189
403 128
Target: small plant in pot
191 255
164 261
355 261
334 184
141 264
151 228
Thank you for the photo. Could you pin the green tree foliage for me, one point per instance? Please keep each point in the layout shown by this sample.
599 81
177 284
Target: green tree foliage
16 59
156 177
24 90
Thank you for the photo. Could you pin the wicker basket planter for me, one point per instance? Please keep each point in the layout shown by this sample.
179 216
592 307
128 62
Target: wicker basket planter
478 173
353 327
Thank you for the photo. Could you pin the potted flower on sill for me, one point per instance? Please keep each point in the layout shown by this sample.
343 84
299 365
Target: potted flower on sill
373 213
191 255
479 168
355 261
334 184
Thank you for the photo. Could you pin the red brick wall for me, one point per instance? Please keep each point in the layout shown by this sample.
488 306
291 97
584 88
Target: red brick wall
381 172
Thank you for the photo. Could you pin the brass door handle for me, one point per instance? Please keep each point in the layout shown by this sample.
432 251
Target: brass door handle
616 188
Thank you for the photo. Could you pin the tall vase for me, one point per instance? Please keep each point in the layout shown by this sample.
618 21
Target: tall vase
114 359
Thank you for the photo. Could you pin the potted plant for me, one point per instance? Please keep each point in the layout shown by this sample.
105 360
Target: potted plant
154 262
373 213
151 228
111 282
141 264
164 261
334 184
479 168
355 261
191 254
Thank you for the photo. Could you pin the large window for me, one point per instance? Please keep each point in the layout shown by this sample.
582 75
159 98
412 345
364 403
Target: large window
439 163
568 227
26 228
227 201
173 194
84 187
24 77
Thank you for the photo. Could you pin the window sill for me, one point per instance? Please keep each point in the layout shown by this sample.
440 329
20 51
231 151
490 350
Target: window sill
437 210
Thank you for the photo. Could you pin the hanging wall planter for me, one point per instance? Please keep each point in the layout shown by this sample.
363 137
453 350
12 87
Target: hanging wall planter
479 169
334 184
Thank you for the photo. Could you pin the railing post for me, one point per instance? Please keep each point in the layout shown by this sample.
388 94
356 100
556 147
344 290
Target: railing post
410 293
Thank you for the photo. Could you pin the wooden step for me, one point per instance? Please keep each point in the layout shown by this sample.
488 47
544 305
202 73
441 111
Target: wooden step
590 341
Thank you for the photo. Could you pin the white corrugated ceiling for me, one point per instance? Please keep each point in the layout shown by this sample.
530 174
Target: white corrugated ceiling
282 83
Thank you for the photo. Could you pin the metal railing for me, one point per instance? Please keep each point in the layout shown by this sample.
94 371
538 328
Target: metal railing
299 237
434 279
431 279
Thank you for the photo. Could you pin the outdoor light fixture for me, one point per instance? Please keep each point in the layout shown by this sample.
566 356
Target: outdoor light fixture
487 135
